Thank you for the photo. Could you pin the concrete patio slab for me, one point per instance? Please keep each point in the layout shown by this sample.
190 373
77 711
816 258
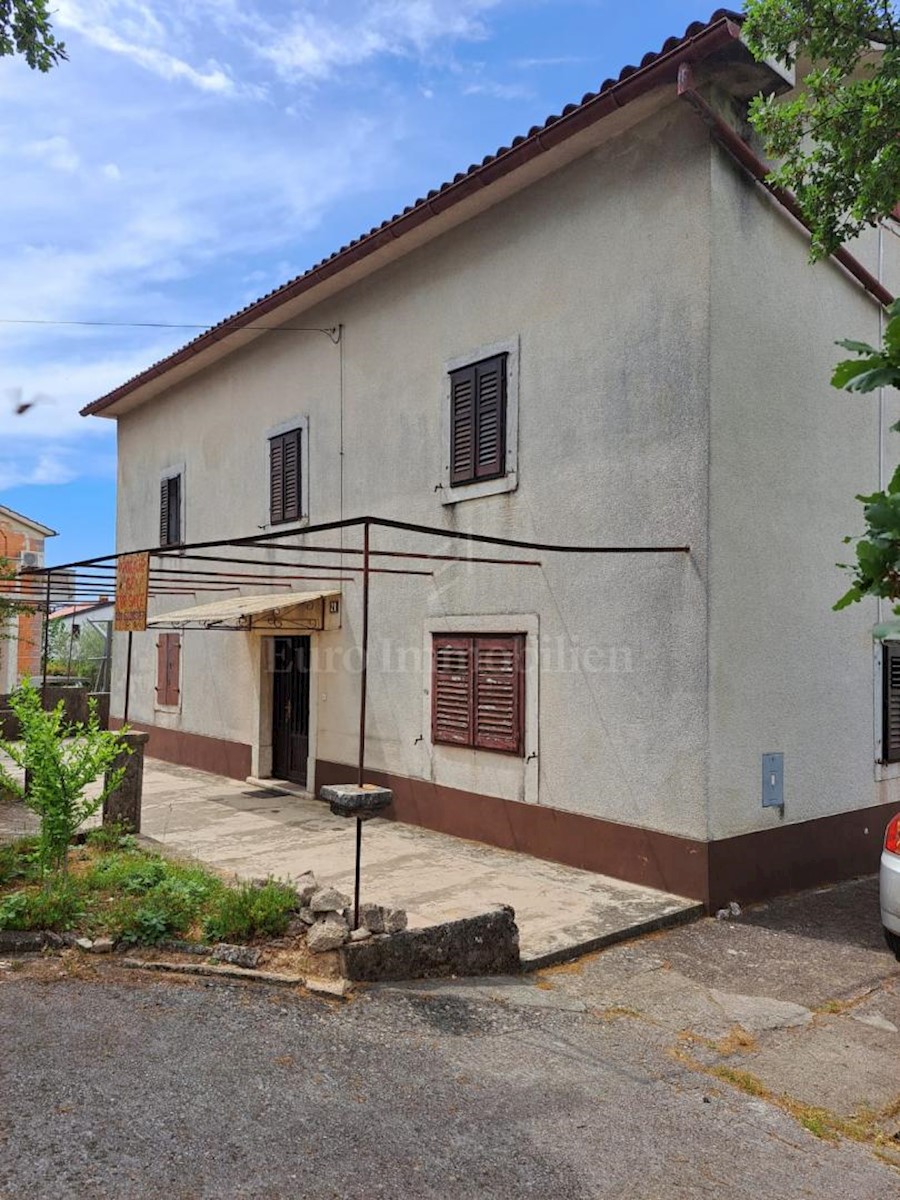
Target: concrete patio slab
561 912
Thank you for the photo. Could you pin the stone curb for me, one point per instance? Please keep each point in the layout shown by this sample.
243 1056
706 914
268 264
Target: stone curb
552 958
336 988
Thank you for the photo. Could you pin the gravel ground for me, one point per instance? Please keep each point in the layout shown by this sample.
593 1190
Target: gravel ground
121 1085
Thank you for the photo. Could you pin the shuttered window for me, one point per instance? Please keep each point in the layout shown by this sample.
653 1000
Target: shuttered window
284 477
170 511
478 421
477 693
168 669
890 724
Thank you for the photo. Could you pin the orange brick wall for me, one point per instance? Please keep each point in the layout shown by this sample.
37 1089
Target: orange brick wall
14 540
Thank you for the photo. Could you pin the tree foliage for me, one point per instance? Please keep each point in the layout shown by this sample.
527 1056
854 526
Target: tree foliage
837 142
60 761
25 29
876 571
81 654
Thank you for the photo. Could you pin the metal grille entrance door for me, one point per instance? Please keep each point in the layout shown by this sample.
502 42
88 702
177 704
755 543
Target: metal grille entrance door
290 709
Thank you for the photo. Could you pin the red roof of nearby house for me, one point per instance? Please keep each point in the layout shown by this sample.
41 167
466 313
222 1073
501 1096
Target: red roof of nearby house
699 41
74 610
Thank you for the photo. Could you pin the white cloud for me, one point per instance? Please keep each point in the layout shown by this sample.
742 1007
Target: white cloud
133 31
47 468
497 90
317 45
563 60
56 152
196 175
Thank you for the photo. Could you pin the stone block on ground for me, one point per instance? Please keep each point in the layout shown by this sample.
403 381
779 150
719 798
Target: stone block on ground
306 887
484 945
395 920
327 900
237 956
330 933
371 917
102 945
16 941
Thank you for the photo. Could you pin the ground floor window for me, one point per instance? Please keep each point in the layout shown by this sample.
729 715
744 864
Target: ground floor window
478 692
168 670
890 692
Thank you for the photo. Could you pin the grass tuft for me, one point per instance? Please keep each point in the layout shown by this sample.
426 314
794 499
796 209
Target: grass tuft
247 911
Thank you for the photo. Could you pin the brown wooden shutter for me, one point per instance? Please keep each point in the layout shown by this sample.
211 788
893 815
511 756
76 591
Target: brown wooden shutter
173 671
890 730
499 686
170 511
276 480
162 668
291 500
490 429
462 426
164 513
174 510
451 690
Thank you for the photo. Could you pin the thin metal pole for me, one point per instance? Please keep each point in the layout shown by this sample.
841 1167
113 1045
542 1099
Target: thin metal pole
363 696
46 652
127 679
359 825
364 665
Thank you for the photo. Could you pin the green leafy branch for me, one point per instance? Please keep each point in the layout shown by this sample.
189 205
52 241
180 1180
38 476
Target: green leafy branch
25 30
876 571
59 760
836 142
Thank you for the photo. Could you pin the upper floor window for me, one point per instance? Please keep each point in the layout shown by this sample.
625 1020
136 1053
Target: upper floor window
170 497
481 421
478 421
285 477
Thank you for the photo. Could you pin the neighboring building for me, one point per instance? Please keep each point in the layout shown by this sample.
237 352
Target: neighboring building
606 333
87 641
21 546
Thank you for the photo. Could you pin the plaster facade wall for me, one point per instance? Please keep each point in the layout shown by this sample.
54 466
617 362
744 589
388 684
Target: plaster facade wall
601 274
788 453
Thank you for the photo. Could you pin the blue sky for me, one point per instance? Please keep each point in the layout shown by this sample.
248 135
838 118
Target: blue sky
191 156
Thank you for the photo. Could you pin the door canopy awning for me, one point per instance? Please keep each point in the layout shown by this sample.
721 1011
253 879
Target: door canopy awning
286 612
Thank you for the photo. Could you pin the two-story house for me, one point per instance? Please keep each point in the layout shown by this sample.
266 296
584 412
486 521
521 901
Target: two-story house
606 333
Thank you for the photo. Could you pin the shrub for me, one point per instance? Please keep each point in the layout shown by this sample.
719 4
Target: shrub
115 836
158 898
17 861
243 912
60 908
62 760
131 873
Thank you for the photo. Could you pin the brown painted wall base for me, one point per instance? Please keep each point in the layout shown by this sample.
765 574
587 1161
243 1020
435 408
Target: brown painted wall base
751 867
215 755
754 866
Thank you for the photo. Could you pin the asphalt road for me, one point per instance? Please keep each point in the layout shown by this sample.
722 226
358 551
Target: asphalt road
127 1085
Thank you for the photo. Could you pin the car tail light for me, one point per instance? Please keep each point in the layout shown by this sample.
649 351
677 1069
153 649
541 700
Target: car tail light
892 835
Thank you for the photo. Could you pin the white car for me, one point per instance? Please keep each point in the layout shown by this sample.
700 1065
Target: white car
890 885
